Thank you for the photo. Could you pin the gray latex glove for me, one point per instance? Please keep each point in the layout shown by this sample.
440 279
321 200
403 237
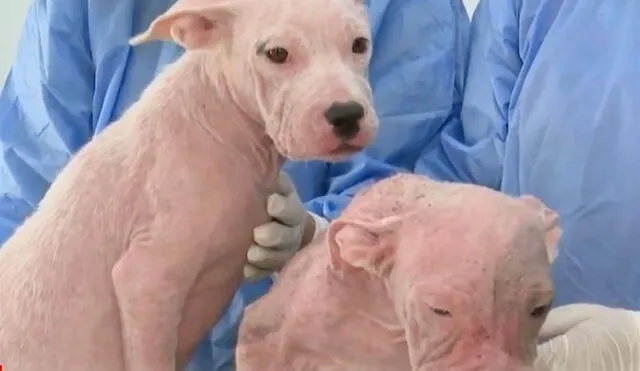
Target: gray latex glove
587 337
277 241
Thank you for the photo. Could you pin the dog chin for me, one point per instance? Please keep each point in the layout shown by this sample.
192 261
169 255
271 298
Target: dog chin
336 154
342 152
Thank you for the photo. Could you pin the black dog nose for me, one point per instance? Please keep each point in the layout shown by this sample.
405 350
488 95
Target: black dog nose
345 118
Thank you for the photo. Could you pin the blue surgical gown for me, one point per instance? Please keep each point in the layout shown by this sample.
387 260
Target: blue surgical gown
552 108
75 73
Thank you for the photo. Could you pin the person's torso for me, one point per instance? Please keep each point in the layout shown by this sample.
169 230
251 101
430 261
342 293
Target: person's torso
574 140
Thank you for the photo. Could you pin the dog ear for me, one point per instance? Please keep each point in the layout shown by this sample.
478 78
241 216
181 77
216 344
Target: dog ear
361 245
550 220
192 23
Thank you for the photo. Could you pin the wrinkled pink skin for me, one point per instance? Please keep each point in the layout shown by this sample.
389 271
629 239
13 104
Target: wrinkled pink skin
139 244
415 275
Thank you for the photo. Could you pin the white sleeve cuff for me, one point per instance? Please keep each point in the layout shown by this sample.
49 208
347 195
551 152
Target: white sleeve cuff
321 224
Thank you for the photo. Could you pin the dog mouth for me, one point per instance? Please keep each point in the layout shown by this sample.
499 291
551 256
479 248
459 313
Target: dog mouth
346 149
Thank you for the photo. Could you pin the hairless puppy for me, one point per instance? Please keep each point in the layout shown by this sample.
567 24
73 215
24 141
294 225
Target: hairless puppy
139 244
416 275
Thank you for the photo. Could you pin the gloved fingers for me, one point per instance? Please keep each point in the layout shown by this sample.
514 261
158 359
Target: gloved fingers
284 184
562 319
553 354
268 259
287 210
253 273
276 236
605 341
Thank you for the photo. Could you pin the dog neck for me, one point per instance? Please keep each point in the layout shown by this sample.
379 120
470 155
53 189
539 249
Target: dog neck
195 91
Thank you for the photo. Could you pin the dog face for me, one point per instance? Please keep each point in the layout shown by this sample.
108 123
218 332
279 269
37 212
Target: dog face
467 268
301 64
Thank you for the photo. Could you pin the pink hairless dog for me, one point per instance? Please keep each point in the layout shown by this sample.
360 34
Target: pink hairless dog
132 282
416 275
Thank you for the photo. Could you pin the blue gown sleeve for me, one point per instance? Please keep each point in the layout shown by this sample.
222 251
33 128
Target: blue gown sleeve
45 106
415 75
474 143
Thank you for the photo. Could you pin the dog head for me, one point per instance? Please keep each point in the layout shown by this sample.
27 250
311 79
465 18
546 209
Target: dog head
301 65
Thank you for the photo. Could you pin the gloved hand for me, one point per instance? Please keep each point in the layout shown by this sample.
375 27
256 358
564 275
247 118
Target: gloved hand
588 337
277 241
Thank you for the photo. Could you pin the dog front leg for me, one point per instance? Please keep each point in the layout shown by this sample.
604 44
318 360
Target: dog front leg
151 281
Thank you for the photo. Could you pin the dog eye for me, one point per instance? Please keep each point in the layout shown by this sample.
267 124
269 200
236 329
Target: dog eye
441 312
360 45
277 55
540 311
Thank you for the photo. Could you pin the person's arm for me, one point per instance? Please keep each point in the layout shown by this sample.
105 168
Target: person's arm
414 75
45 106
472 147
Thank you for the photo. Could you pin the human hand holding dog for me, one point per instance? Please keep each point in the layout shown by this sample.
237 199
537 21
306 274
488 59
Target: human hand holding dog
580 337
291 228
